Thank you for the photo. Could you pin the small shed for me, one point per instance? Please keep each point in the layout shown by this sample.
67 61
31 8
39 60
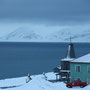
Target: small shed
80 69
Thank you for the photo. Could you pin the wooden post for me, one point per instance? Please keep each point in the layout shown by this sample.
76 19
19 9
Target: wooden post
56 77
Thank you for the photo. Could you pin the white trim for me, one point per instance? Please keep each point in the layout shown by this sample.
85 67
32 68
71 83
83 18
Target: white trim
65 71
77 65
88 78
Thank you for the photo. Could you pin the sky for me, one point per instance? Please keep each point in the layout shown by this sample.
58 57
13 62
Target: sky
43 12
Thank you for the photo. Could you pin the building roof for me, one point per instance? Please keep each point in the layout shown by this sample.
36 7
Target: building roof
83 59
67 59
70 51
70 54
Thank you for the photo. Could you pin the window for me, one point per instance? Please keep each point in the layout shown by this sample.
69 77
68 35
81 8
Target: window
88 69
77 69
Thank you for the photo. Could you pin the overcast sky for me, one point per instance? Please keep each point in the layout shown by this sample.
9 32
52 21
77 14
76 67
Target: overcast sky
45 10
22 13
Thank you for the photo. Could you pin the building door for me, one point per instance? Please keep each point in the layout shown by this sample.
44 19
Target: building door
88 80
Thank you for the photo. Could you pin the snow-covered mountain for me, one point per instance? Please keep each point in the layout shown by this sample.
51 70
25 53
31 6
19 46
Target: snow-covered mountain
59 35
21 34
77 36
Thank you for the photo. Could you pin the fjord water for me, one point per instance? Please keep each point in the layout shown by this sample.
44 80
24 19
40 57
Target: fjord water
19 59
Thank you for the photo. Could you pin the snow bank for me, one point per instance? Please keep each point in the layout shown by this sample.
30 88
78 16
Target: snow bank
38 82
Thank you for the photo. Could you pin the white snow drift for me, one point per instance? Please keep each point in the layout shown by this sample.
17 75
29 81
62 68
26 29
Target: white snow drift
38 82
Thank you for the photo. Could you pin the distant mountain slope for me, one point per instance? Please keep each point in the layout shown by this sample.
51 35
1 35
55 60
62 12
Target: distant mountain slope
22 34
76 36
27 35
19 34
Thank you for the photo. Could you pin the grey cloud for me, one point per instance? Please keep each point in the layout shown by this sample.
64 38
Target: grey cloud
57 10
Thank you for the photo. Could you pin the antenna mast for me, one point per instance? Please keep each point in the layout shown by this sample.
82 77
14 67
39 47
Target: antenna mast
70 39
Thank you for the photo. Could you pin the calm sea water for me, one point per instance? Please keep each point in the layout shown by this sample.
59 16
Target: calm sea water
19 59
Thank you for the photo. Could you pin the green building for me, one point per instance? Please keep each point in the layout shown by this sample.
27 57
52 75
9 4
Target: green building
80 69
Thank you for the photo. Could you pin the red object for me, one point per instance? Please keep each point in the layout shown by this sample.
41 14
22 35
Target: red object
76 83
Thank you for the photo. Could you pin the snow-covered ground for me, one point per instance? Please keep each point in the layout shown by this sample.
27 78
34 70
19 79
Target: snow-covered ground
38 82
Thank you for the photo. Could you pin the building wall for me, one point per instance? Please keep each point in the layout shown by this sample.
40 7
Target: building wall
83 74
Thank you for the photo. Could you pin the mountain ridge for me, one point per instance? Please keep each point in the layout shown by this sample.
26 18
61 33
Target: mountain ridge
26 35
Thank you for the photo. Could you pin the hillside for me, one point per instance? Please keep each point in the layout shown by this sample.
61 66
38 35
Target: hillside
24 34
38 82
